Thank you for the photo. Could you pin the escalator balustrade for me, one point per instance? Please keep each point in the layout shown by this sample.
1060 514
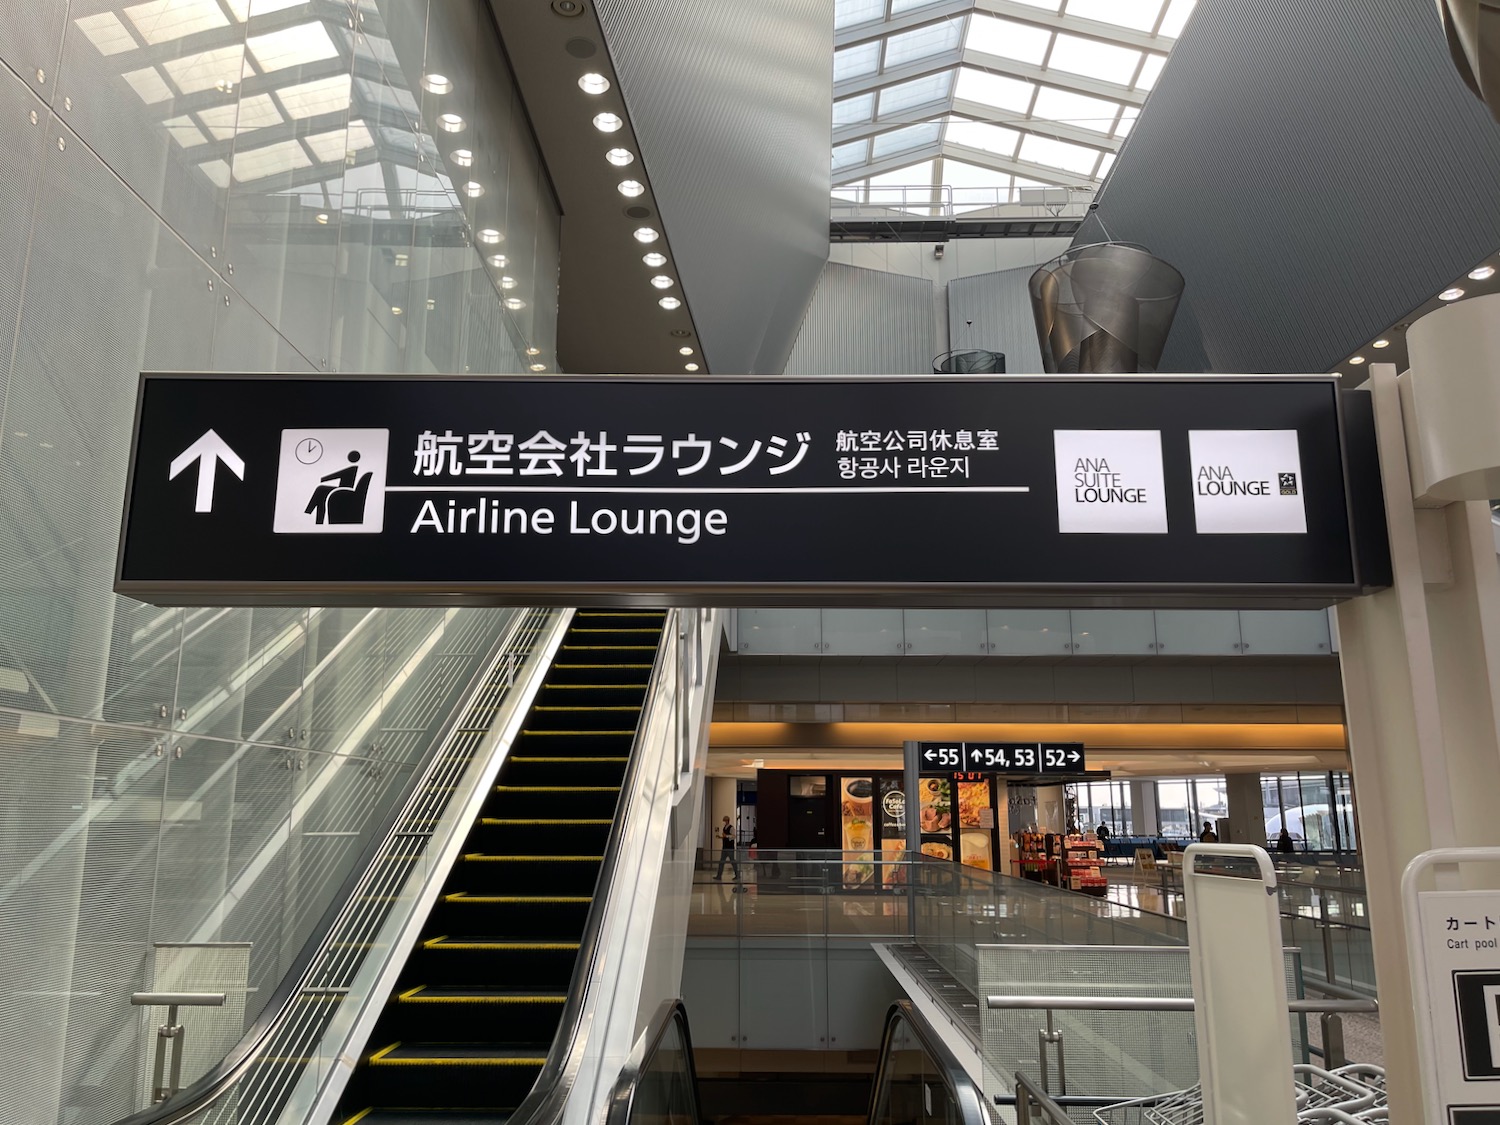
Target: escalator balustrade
464 1036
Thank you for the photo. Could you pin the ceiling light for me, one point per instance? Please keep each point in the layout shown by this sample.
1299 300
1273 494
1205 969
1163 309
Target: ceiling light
508 283
473 189
514 303
533 351
646 234
462 157
437 83
539 367
1356 360
498 261
655 260
670 303
450 123
619 157
1451 294
396 310
489 236
608 122
1381 344
592 83
1483 273
662 281
431 303
632 188
321 217
690 367
684 351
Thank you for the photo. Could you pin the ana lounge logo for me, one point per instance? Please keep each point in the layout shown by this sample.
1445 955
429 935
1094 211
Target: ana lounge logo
1246 482
1110 482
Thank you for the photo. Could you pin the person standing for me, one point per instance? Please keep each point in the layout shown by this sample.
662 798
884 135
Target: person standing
1208 835
1284 843
726 834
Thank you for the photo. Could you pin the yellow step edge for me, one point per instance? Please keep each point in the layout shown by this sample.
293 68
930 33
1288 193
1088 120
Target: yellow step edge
465 896
557 789
445 942
379 1059
617 758
410 997
593 687
632 667
575 733
637 629
588 707
360 1115
494 821
609 648
481 857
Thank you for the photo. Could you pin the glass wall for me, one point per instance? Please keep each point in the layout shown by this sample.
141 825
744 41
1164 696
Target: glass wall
1107 803
1317 810
235 185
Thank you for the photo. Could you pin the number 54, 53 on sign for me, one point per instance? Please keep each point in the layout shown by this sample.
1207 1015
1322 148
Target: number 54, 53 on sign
1002 757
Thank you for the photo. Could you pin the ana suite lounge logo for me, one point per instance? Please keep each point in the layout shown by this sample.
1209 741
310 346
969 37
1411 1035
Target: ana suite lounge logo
1247 482
1110 482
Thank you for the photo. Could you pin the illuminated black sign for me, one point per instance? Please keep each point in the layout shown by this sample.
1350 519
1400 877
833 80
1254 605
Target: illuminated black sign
1001 757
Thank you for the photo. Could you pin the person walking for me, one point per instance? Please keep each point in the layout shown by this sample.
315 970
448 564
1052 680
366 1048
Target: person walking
726 834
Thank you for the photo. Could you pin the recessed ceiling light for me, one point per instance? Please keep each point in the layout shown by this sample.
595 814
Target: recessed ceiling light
655 260
498 261
489 236
450 123
662 281
397 310
690 367
608 122
1356 360
1483 273
431 303
1451 294
533 351
684 351
514 303
508 283
437 83
670 303
632 188
1381 344
619 157
646 234
539 367
462 157
473 189
592 83
321 217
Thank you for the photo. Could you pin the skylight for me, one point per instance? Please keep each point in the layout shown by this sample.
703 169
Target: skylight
994 97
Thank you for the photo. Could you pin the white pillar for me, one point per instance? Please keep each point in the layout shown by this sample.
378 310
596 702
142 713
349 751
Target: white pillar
1144 818
1420 662
1247 818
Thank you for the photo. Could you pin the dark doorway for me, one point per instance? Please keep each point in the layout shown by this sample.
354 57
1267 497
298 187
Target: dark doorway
807 812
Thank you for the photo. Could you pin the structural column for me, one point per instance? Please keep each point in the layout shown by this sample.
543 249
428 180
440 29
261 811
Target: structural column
1247 815
1420 665
1145 820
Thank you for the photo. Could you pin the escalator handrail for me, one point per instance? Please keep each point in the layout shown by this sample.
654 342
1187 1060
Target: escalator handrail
231 1068
622 1097
966 1094
544 1104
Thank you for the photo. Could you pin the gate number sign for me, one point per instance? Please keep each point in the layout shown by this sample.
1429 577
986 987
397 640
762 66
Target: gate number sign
1001 757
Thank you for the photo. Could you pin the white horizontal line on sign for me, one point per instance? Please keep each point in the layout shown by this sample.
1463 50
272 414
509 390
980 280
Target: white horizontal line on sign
563 489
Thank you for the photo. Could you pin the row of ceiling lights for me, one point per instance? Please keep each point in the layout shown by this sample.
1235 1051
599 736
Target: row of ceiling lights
440 84
1451 293
595 84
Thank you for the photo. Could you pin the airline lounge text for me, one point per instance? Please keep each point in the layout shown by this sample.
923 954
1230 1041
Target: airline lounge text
489 517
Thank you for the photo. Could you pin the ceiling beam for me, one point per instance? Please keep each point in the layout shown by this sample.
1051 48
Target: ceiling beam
886 164
1041 126
1073 25
919 68
915 115
1008 166
1059 79
909 21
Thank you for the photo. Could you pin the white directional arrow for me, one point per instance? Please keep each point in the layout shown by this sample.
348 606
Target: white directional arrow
208 451
928 755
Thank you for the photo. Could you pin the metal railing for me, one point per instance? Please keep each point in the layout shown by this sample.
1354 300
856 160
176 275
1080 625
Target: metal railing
946 201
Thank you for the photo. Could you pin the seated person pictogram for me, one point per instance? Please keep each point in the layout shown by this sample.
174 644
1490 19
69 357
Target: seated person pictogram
340 498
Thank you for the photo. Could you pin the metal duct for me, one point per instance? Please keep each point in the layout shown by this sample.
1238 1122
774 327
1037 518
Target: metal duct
1473 31
1104 309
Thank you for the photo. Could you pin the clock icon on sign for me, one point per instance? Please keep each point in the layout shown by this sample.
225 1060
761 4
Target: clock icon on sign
309 451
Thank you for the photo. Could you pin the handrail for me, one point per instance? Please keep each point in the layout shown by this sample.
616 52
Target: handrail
1027 1093
544 1104
622 1097
966 1093
1152 1004
213 1085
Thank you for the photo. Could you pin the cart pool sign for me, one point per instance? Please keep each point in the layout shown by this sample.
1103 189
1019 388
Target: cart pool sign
1182 490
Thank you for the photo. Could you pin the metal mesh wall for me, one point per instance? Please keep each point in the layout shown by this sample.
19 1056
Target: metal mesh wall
246 185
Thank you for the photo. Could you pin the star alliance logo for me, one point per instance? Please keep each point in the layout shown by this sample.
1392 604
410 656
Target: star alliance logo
1288 482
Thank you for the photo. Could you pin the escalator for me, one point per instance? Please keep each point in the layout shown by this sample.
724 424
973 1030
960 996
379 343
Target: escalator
468 1027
